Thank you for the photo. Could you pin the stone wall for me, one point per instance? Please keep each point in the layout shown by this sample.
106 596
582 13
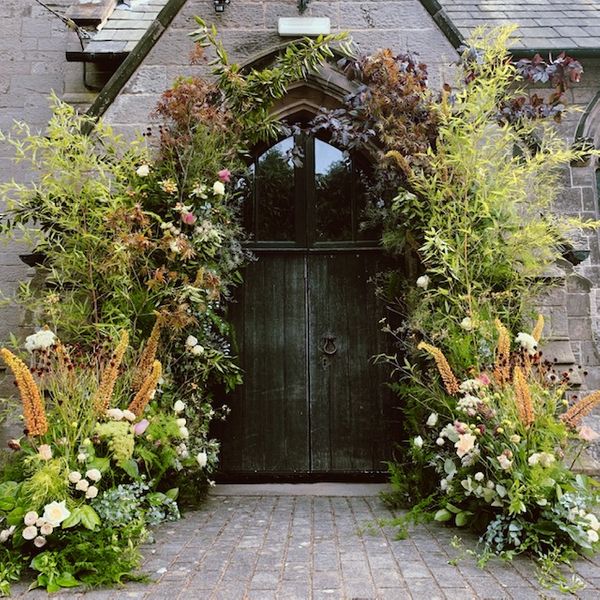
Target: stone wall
32 46
249 29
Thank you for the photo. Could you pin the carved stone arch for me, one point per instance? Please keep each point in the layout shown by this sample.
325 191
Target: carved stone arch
588 127
325 89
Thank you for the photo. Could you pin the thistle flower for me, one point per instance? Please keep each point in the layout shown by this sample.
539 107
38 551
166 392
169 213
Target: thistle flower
33 406
580 409
523 398
536 334
146 361
146 391
109 375
502 367
450 381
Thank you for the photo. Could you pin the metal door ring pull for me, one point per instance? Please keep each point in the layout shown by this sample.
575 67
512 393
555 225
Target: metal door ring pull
329 346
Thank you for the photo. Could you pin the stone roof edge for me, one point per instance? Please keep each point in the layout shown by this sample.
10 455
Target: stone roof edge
456 38
134 59
128 67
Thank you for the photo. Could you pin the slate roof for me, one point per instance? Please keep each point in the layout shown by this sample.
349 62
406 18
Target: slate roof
125 27
543 24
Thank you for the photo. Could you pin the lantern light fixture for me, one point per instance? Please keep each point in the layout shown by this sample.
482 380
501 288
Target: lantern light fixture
220 5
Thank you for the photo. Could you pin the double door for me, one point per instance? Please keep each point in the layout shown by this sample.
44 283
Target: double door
306 324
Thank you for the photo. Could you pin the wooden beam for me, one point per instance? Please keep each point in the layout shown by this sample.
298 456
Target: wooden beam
91 12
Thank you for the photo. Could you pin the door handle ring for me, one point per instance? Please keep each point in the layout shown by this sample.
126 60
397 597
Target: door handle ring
329 346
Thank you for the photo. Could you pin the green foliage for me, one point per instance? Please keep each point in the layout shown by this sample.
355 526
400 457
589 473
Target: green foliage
481 209
83 184
251 94
497 462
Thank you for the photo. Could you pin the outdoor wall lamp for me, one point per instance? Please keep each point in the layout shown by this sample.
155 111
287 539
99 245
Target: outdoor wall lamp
220 5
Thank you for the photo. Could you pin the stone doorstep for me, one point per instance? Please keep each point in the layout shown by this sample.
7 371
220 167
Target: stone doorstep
301 489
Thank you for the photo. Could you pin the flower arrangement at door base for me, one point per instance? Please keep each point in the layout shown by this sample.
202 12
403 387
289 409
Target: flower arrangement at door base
502 444
90 475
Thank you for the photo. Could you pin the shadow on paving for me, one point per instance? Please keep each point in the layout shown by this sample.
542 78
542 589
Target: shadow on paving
264 545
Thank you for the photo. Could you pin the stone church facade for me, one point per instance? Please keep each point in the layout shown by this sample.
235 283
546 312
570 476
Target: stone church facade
123 55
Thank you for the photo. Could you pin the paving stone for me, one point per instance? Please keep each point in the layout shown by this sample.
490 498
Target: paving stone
214 563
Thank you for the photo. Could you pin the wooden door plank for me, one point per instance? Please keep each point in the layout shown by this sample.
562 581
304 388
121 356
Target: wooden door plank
351 407
267 431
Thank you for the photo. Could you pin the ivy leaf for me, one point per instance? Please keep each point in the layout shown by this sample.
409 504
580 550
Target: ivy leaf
442 515
89 517
66 579
73 519
462 518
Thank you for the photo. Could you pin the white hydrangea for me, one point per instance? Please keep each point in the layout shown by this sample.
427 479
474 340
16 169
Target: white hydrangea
468 404
41 340
527 342
470 386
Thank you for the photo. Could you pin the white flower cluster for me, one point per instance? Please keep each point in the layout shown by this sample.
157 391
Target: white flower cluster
471 386
207 232
589 521
37 528
468 404
116 414
191 343
41 340
83 484
527 342
545 459
5 534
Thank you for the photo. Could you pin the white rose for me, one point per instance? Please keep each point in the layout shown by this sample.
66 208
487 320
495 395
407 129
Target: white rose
143 170
82 485
423 282
202 459
534 459
39 541
418 442
184 433
114 413
592 536
515 439
191 341
198 350
505 462
219 188
546 459
440 441
479 476
74 476
129 416
30 532
46 529
432 420
56 512
181 422
30 518
94 475
179 406
467 324
91 492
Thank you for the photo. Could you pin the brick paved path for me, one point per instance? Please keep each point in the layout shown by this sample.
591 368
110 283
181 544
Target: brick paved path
318 547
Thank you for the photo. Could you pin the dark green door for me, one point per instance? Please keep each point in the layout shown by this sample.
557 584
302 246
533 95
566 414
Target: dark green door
307 325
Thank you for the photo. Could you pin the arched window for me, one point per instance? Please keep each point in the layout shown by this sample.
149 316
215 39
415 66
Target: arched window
303 192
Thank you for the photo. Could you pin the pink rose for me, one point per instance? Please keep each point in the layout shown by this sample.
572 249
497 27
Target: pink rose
188 218
224 175
141 426
484 379
588 434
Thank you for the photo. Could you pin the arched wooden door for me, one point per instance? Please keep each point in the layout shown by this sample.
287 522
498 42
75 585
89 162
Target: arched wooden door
307 324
